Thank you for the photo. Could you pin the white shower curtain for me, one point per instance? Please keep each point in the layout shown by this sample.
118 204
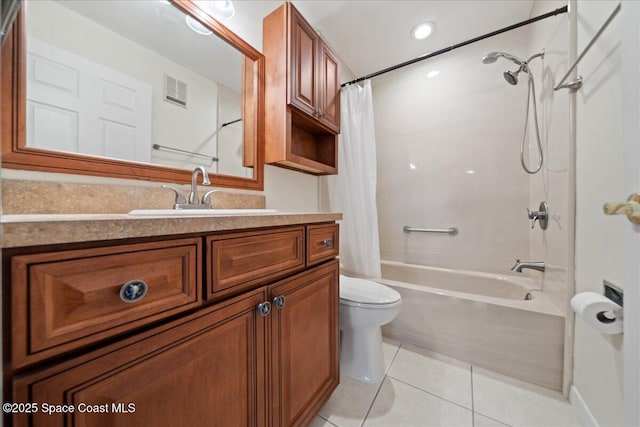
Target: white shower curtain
353 190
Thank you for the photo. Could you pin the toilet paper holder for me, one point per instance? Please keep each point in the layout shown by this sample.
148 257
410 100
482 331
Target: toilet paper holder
613 292
616 295
602 312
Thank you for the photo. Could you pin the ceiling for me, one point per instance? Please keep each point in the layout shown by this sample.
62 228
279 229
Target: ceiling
368 35
372 35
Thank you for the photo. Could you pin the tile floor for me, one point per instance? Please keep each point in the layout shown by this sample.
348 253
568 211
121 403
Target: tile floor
423 388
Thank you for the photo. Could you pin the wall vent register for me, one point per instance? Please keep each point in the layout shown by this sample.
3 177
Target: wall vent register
175 91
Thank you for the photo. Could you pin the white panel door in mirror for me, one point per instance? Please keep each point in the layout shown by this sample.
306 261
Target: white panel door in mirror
77 105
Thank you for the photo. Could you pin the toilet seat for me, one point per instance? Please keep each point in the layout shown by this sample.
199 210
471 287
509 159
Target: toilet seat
367 294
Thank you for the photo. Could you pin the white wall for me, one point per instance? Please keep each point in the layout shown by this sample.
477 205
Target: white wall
598 359
430 132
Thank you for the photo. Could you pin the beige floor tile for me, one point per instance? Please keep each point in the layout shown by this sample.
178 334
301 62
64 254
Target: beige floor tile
482 421
320 422
350 402
437 374
401 405
518 403
390 348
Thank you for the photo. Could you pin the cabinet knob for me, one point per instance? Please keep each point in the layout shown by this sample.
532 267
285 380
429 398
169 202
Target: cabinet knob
279 301
327 243
264 308
133 291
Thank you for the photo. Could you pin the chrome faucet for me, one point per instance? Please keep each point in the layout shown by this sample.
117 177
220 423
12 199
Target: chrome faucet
193 194
193 202
519 266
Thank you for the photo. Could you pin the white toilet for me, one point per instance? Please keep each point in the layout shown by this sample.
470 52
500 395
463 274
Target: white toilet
364 307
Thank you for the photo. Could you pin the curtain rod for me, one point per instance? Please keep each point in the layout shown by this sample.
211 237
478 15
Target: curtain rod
558 11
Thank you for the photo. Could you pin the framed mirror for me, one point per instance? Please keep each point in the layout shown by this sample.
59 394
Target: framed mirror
142 89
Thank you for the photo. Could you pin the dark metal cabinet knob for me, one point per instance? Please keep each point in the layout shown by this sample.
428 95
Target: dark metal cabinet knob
133 291
279 301
264 308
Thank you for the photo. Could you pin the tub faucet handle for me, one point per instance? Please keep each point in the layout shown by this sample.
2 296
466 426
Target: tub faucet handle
541 215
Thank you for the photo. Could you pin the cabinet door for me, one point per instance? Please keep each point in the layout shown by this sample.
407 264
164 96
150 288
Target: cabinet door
205 370
329 77
304 337
303 92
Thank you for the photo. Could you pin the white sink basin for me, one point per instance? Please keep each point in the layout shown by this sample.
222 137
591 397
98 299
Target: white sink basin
200 212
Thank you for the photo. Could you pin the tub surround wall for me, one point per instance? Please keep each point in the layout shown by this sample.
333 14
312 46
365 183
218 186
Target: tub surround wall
552 182
449 138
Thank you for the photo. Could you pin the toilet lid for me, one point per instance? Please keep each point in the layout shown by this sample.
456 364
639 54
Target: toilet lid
366 292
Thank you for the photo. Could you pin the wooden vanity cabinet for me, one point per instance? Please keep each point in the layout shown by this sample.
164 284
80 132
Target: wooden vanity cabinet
64 300
267 356
302 94
304 344
208 369
238 261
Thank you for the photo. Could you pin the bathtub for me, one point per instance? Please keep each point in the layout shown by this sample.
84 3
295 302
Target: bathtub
484 319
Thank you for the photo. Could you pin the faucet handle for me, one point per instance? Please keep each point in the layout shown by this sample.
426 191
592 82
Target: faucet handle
541 215
179 196
533 216
206 198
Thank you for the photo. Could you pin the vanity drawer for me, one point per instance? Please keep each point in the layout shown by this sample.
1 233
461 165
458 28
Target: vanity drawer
64 300
322 242
240 261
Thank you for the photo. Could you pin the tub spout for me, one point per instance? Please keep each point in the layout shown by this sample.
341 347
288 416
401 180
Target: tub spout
519 266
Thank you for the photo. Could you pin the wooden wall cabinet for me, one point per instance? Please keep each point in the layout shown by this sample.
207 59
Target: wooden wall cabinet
302 94
266 355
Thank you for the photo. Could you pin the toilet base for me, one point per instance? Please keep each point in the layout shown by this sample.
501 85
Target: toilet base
361 355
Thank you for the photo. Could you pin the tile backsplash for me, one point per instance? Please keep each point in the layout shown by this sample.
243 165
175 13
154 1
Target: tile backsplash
41 197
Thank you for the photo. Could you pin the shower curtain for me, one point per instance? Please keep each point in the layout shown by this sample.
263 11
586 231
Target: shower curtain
353 190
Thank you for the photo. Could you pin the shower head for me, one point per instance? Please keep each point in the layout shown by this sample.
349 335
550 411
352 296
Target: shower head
512 76
492 57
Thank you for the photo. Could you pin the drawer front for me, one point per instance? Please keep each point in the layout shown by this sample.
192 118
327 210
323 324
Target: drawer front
323 242
63 300
243 260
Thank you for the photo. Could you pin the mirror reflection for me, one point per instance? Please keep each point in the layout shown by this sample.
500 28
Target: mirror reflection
133 80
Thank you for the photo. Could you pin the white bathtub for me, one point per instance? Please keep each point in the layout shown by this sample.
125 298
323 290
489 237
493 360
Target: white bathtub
480 318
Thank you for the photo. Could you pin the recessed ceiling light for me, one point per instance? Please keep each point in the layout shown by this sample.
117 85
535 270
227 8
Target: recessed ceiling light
423 30
220 9
470 172
197 26
432 73
412 166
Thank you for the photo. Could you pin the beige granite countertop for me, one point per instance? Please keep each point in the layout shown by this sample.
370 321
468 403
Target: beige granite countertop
43 229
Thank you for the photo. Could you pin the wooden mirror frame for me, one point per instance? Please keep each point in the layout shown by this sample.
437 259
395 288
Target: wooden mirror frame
16 155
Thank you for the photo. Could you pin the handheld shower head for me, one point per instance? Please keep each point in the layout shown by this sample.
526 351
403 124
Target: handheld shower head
492 57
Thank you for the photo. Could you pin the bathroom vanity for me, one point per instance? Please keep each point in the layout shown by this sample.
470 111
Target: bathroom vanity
118 320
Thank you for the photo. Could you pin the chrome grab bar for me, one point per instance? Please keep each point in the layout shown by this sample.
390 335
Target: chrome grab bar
451 230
